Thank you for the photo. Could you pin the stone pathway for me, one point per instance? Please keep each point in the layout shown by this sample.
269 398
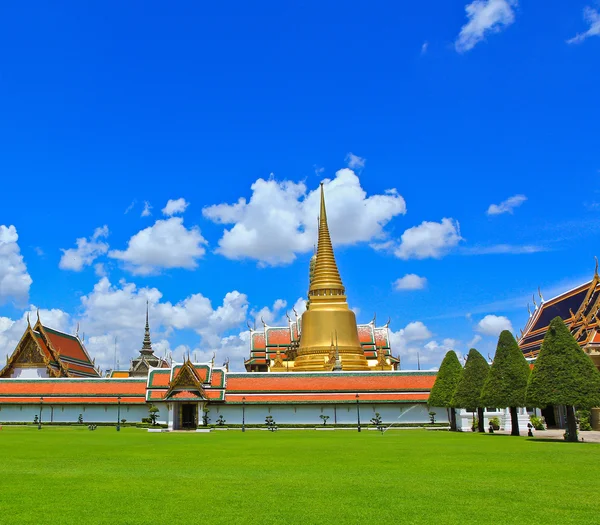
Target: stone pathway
593 436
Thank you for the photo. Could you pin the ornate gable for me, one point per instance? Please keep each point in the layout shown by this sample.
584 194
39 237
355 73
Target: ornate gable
31 352
186 380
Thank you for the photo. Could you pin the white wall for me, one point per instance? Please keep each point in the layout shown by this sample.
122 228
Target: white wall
254 414
29 373
342 414
70 413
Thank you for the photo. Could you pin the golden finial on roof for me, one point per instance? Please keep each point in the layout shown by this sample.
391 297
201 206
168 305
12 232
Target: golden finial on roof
28 323
38 314
596 269
326 279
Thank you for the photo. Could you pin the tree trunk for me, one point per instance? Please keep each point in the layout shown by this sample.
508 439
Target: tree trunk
453 420
514 419
480 425
571 424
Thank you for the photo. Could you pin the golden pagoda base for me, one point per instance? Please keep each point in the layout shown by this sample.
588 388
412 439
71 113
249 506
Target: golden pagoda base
320 360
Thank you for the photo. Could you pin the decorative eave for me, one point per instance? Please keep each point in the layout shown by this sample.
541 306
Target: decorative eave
186 379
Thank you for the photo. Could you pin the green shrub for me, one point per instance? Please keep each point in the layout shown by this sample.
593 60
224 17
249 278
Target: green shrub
583 416
537 422
495 422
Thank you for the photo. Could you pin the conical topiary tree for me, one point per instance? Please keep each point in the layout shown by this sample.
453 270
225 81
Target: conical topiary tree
445 385
506 383
563 375
468 390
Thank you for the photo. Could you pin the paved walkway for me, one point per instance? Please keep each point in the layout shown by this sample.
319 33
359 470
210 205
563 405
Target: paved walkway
593 436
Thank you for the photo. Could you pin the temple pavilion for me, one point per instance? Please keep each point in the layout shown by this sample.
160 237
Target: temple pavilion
580 310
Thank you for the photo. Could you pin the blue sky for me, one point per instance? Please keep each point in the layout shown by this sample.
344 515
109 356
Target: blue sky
453 106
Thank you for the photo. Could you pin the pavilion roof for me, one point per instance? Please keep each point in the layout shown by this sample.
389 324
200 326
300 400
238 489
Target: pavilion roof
579 308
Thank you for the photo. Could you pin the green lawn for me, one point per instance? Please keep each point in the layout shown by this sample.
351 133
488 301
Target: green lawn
72 475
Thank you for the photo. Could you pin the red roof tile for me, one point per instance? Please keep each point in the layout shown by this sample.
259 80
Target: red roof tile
299 382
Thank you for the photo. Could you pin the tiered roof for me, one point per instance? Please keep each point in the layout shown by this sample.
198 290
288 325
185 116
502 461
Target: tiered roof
265 343
579 308
186 381
64 355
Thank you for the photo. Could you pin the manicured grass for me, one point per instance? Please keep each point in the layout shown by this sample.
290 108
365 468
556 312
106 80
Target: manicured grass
72 475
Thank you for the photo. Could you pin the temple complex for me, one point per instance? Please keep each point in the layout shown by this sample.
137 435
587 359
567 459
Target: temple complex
322 365
579 308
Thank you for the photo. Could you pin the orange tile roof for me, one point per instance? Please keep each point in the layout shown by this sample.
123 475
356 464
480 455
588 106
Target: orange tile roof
160 378
299 382
278 336
64 386
66 345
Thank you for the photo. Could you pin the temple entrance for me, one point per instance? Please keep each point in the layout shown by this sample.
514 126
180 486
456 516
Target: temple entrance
189 416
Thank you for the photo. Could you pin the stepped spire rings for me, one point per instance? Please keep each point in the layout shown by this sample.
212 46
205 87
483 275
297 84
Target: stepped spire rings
147 345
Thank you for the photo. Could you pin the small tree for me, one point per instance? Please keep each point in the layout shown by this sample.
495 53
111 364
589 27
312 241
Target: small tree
507 380
80 419
205 418
377 421
271 425
468 391
445 385
324 418
563 375
153 414
220 420
36 419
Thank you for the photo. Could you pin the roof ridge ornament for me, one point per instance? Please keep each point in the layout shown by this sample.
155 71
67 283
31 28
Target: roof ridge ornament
540 294
596 269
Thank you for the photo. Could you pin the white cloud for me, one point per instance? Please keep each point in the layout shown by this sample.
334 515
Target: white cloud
410 281
408 343
130 207
86 252
504 249
424 47
429 239
492 325
506 206
111 311
175 206
592 17
485 16
280 219
146 211
166 244
355 162
474 341
14 278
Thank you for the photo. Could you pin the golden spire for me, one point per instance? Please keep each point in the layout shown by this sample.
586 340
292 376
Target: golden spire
326 280
326 314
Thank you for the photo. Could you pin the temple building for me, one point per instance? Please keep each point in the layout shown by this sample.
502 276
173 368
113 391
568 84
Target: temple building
326 337
45 352
579 308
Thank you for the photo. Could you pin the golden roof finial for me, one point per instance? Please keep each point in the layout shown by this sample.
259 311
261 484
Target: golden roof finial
596 269
326 277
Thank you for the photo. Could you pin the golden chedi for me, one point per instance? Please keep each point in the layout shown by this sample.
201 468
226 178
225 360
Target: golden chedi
328 325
